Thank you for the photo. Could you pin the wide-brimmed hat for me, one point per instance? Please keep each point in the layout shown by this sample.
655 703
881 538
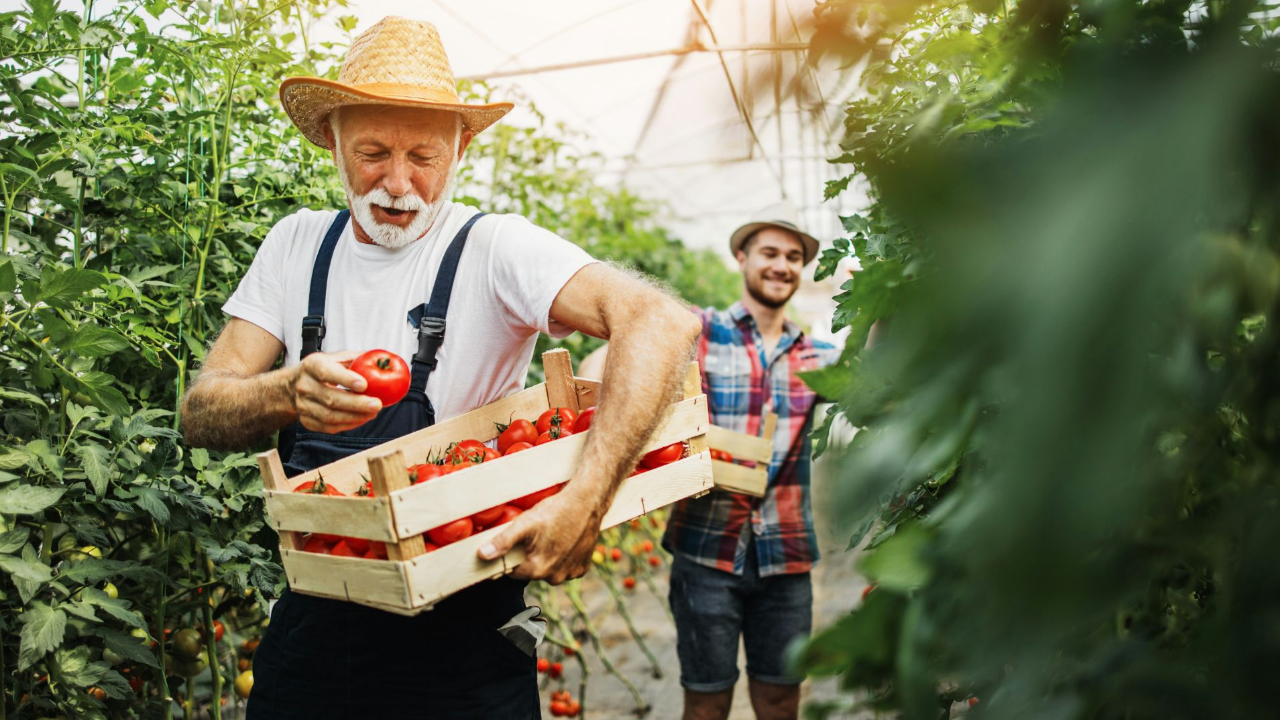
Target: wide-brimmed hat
396 62
784 215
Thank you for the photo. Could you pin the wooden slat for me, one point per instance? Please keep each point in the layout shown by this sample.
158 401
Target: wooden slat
692 383
344 578
770 426
389 474
731 477
443 572
741 445
561 389
431 504
273 479
588 392
349 473
352 516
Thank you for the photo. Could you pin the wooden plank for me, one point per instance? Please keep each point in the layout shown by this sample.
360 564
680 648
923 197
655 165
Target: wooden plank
349 473
692 383
741 445
732 477
344 578
588 392
561 389
273 479
389 474
352 516
431 504
443 572
770 426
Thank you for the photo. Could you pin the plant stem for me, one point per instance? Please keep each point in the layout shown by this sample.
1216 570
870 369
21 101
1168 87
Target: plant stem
162 674
571 590
215 660
626 617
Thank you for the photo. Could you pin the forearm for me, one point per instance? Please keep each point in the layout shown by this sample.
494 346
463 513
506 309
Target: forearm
226 411
649 353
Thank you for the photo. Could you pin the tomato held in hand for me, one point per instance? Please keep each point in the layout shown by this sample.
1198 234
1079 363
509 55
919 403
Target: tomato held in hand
451 532
386 373
517 432
518 447
663 456
534 498
556 417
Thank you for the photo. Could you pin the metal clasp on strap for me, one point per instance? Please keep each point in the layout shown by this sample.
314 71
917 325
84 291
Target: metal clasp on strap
430 337
312 333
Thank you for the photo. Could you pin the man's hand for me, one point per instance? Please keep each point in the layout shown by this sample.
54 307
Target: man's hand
322 405
558 533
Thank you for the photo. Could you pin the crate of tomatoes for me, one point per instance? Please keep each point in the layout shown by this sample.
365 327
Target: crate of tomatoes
740 462
398 526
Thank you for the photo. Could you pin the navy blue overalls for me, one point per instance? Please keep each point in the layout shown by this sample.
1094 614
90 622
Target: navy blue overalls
329 659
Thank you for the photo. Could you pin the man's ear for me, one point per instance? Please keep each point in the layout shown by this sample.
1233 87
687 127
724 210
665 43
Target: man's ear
741 257
463 141
329 137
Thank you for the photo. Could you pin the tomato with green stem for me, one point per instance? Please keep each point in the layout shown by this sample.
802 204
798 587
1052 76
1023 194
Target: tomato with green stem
560 417
517 432
386 375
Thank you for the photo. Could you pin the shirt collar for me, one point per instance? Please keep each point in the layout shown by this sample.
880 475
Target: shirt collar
738 313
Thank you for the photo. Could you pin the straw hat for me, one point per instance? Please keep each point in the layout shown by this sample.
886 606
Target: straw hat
395 62
783 215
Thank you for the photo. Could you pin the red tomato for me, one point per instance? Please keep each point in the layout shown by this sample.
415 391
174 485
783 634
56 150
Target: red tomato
561 695
663 456
342 549
572 708
568 652
554 433
556 417
517 432
366 490
386 373
556 670
455 467
867 591
429 546
518 447
218 630
377 551
451 532
559 708
486 518
629 582
616 554
655 561
359 545
318 487
316 544
490 454
472 450
647 546
426 471
532 499
584 420
973 701
509 513
543 665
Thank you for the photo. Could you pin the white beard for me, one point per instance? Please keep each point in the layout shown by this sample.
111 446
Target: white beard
393 237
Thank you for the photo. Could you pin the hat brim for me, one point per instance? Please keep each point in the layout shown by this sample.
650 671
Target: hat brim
741 234
308 102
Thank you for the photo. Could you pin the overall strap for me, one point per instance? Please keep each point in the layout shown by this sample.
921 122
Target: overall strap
313 323
432 325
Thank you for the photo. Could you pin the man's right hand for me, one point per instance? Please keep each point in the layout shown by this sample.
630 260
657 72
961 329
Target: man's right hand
322 405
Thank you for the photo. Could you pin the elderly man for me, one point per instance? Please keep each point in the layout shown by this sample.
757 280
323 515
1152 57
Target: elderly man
741 566
402 266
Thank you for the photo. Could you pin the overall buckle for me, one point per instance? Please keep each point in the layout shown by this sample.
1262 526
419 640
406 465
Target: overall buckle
430 337
313 328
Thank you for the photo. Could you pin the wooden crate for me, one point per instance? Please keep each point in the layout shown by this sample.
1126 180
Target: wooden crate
732 477
412 580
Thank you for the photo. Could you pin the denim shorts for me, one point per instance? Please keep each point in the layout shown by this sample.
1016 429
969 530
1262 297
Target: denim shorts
713 608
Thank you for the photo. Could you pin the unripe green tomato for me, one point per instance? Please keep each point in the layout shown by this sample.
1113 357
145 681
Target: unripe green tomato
111 591
139 633
187 642
112 656
67 543
146 446
192 668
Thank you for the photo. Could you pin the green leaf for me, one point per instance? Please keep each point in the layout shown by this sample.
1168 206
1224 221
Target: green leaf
21 396
27 499
898 563
72 666
94 570
101 387
94 341
43 12
8 277
34 572
59 287
43 628
95 461
14 458
27 588
151 500
117 608
127 646
13 540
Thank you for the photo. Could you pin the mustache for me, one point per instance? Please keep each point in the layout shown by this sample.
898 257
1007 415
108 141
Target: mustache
380 197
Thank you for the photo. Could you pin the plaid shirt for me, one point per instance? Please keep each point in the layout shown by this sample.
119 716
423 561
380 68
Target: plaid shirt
742 386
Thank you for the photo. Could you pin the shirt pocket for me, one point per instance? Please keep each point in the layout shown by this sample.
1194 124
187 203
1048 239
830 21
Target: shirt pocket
729 388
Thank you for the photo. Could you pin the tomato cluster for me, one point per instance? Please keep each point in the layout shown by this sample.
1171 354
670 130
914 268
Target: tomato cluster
721 455
563 704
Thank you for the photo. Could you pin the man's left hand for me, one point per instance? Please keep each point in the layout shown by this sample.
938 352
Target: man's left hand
558 533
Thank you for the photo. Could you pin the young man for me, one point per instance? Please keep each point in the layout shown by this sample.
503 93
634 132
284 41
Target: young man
742 564
328 285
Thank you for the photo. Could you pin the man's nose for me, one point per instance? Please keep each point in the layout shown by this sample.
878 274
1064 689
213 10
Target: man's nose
397 180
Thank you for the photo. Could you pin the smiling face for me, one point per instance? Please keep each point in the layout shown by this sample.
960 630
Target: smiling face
397 166
771 261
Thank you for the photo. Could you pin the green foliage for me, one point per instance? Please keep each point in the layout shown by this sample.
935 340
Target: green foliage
144 156
1067 449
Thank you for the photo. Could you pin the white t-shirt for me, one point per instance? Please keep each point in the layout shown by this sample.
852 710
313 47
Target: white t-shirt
510 272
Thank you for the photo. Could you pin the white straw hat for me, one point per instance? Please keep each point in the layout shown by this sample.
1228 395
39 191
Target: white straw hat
396 62
784 215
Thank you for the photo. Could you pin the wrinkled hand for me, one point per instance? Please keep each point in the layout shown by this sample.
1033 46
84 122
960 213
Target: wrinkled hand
558 533
322 405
